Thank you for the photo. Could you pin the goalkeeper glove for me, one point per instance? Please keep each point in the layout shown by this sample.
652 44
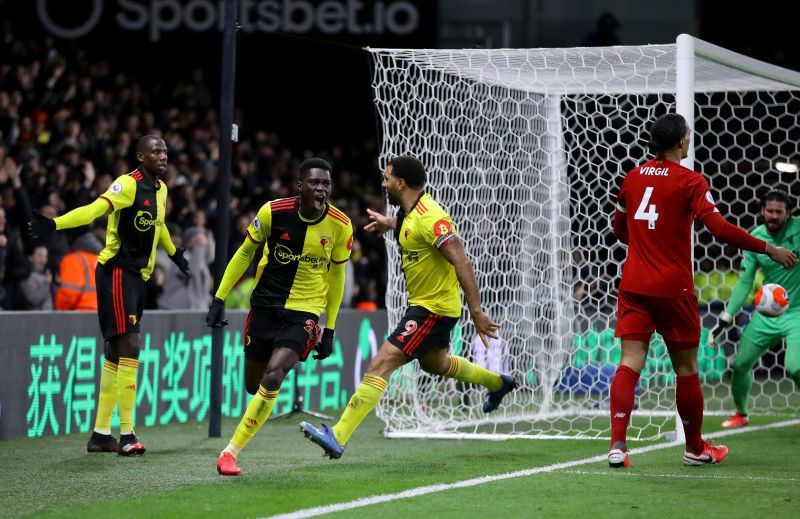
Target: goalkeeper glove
180 261
41 226
724 321
215 318
325 346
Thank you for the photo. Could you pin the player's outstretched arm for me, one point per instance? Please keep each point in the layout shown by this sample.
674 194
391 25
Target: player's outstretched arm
119 195
453 251
738 237
42 226
379 223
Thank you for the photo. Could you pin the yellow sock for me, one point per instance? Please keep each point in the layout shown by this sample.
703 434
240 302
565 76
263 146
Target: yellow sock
364 400
126 393
465 371
107 400
254 417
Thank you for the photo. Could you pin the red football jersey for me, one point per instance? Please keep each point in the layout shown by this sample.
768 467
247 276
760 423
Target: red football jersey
661 200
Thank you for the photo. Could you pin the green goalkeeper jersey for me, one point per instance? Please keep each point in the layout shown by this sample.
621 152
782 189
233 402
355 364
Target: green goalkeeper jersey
773 272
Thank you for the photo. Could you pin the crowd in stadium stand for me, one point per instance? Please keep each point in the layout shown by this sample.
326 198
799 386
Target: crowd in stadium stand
68 128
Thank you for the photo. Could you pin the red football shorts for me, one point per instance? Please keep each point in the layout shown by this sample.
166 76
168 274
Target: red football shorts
676 319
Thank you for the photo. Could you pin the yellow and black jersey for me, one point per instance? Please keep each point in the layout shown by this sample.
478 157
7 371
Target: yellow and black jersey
136 223
293 272
430 279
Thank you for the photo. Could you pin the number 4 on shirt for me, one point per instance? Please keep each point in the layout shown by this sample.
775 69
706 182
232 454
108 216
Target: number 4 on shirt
647 212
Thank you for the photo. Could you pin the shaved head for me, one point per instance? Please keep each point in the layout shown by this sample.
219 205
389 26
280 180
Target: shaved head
144 142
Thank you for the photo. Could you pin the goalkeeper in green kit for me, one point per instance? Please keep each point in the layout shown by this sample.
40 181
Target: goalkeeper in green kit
761 333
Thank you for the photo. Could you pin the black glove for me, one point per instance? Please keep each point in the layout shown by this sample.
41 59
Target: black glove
180 261
720 330
215 318
41 226
325 346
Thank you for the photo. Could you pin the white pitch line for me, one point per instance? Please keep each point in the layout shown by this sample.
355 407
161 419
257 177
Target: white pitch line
441 487
628 474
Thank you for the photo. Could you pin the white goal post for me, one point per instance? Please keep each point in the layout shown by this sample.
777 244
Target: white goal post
526 148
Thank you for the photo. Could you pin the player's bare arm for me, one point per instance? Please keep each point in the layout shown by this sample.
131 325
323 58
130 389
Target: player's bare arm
784 257
379 223
453 252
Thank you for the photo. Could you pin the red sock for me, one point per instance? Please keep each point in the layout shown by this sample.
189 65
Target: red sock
623 389
689 399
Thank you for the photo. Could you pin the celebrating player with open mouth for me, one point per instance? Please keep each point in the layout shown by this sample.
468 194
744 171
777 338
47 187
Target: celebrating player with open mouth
306 242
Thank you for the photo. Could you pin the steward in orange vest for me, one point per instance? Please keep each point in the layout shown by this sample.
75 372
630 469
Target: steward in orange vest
76 290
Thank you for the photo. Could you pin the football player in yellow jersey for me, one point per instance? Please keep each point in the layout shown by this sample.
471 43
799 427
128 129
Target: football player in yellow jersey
306 242
435 265
136 205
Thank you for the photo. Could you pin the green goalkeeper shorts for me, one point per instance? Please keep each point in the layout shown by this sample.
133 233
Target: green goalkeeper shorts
767 331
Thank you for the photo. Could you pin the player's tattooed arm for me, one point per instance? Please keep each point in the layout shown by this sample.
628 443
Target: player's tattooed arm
453 251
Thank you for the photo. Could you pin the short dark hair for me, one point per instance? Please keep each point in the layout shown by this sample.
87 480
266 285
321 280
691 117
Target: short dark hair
666 132
409 169
143 141
314 163
776 195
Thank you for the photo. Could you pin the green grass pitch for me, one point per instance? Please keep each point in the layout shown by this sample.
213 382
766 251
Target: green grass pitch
284 472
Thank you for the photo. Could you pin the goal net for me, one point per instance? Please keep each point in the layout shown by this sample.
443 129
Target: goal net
526 148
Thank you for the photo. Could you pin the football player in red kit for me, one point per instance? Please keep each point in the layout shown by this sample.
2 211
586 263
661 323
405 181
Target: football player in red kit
656 206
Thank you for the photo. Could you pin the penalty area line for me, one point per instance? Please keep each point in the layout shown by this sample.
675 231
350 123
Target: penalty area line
441 487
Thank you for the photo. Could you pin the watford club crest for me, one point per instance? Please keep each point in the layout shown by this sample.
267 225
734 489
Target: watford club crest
132 319
324 241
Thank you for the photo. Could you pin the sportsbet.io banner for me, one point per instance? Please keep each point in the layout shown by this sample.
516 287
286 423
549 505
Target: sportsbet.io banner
50 369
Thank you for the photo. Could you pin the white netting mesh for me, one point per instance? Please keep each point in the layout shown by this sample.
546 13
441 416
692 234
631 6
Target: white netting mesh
525 148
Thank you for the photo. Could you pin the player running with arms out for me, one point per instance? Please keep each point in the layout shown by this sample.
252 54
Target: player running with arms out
434 264
780 229
306 242
656 206
136 204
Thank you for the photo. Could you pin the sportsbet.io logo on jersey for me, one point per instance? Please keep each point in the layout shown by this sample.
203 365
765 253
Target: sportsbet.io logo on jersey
284 256
144 221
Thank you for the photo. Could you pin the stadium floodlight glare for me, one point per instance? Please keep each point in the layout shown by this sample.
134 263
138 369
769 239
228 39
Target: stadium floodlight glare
786 166
526 148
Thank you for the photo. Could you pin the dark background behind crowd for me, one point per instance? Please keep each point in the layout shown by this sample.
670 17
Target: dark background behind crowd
67 128
72 108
